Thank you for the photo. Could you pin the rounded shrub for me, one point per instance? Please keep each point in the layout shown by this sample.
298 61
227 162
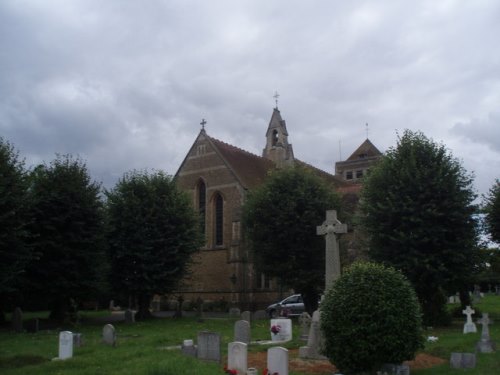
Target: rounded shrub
370 316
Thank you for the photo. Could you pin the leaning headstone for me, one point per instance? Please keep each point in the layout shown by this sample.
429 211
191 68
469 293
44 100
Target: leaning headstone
314 341
469 326
237 357
17 320
188 348
242 331
485 345
77 340
129 316
209 346
463 360
109 335
234 312
305 324
277 360
259 315
65 345
246 315
395 369
281 329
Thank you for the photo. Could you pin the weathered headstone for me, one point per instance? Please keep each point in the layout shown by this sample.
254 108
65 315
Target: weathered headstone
395 369
17 320
485 345
234 312
65 345
246 315
331 229
188 348
305 324
209 346
314 341
283 329
277 360
259 315
463 360
477 293
109 335
129 316
77 340
242 331
237 357
469 326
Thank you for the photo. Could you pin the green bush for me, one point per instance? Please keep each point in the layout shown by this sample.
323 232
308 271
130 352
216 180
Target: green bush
369 317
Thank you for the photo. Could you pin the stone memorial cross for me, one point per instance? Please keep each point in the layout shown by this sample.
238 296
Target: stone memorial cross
469 326
485 345
331 229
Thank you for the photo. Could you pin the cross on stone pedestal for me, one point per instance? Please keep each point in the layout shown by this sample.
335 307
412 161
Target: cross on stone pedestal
331 229
469 325
485 345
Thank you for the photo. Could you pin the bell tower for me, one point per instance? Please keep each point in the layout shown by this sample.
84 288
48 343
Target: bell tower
277 147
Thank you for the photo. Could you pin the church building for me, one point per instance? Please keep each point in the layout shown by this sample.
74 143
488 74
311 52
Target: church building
218 177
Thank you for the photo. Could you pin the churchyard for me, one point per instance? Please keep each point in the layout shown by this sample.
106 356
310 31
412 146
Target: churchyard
153 347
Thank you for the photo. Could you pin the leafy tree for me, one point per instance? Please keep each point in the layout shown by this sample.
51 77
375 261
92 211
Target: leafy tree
14 250
492 210
280 219
68 228
370 316
153 231
419 213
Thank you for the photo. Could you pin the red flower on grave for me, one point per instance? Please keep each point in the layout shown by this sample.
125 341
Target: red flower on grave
276 329
229 371
266 372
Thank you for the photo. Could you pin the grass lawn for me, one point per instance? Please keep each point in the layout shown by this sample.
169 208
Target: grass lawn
142 347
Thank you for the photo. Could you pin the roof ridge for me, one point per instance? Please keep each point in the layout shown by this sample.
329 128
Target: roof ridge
235 147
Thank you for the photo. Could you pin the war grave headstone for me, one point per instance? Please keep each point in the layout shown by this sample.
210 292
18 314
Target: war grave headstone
17 320
246 315
242 331
259 315
485 345
277 360
305 324
65 345
469 326
463 360
281 329
129 316
209 346
109 335
314 341
188 348
237 357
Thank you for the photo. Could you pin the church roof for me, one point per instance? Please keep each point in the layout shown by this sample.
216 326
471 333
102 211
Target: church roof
365 150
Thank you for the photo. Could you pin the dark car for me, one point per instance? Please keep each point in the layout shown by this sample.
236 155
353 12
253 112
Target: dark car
290 306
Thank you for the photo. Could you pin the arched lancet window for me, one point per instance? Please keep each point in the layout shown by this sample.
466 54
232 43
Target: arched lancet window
202 204
275 137
219 219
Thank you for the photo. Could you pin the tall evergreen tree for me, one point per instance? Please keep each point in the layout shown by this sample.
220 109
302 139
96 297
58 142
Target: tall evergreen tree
68 228
419 213
492 210
14 250
153 231
280 219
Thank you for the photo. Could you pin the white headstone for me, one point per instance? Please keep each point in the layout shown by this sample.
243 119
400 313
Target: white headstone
109 335
237 357
65 345
277 360
242 331
469 326
283 329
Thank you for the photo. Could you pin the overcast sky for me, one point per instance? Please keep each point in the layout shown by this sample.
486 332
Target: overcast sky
125 84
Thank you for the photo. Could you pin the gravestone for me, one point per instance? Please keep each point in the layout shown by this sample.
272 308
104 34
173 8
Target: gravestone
237 357
17 320
395 369
259 315
242 331
246 315
234 312
277 360
469 326
32 325
331 228
305 324
188 348
109 335
477 293
65 345
463 360
497 290
129 316
485 345
199 309
314 341
283 329
77 340
209 346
